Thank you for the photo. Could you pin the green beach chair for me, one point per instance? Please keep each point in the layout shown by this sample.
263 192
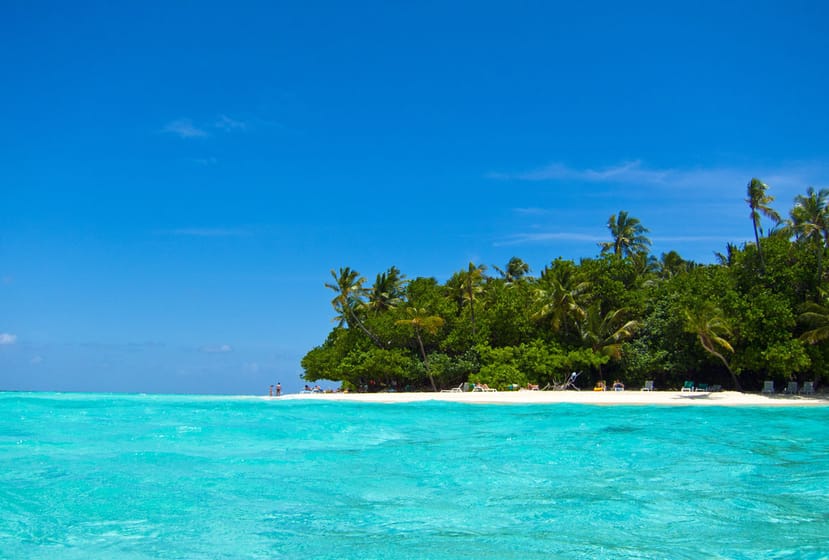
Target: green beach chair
688 387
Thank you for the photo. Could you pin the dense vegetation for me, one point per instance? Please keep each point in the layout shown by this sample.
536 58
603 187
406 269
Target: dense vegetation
760 312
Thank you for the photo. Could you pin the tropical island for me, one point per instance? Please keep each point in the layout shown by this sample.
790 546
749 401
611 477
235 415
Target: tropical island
759 313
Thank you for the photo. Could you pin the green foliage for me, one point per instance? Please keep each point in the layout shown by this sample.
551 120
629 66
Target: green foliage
757 314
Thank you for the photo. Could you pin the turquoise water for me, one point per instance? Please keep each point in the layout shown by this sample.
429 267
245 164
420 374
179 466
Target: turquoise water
135 477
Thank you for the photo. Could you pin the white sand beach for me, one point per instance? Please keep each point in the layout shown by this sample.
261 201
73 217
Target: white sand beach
671 398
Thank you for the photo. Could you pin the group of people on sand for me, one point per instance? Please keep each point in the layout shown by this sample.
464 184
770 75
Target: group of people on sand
275 390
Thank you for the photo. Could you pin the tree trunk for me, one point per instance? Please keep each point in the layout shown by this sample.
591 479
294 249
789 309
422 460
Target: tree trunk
425 360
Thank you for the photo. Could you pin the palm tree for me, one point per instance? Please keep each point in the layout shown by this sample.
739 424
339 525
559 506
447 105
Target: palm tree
386 293
810 223
348 285
420 320
515 270
709 325
816 315
730 255
472 281
758 201
628 236
557 294
604 334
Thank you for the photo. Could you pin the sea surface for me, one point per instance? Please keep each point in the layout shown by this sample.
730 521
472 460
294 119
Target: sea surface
178 477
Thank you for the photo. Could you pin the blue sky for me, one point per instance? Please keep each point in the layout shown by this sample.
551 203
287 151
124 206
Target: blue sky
178 178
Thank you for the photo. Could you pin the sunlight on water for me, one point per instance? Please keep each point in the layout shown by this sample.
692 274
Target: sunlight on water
123 477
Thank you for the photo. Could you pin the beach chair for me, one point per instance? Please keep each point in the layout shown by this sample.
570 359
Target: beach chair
648 386
716 388
791 388
768 387
458 389
701 388
808 388
687 387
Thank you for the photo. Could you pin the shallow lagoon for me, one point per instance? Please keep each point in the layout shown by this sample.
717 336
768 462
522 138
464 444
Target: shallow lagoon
108 476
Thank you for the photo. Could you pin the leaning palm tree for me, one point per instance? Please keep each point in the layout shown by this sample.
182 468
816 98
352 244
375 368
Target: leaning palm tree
709 325
350 290
758 201
420 320
810 223
628 236
387 291
604 334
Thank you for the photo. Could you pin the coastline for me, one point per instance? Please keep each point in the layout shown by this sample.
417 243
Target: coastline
632 398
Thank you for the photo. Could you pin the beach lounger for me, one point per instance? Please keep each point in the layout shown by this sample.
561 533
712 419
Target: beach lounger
791 388
648 386
716 388
768 387
808 388
688 387
458 389
484 389
701 388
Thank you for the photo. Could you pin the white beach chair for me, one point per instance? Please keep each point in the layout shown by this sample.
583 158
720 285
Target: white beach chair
768 387
458 389
808 388
648 386
791 388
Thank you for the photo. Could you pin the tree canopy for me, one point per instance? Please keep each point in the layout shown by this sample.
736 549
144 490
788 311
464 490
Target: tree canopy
759 312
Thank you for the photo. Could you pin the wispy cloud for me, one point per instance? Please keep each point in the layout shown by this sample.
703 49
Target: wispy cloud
532 211
184 128
216 348
223 122
7 339
546 237
785 176
36 360
207 232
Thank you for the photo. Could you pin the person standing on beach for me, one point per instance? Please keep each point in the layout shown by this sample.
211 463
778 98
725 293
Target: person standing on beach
270 391
278 389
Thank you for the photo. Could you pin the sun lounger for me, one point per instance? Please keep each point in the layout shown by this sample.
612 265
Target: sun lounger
458 389
701 388
716 388
791 388
648 386
484 389
808 388
688 387
768 387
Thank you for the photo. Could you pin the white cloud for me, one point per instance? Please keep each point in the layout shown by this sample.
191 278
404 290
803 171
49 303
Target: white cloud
36 360
785 177
544 237
207 232
184 128
227 124
7 339
216 348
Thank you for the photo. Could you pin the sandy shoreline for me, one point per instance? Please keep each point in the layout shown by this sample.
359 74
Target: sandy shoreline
671 398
